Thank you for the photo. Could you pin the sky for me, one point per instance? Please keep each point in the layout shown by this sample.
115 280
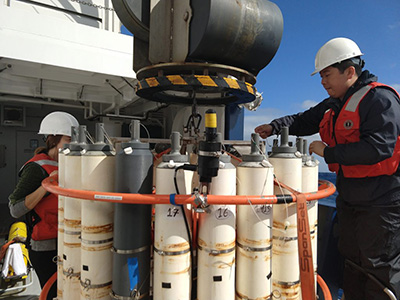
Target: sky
286 84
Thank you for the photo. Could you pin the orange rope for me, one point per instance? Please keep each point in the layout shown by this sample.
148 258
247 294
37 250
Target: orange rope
233 156
158 155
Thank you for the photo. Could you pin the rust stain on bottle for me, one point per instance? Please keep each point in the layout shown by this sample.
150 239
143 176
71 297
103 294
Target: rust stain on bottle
99 247
72 223
224 246
172 247
255 243
98 229
177 247
96 293
201 243
282 252
184 271
264 255
286 291
280 225
72 245
242 296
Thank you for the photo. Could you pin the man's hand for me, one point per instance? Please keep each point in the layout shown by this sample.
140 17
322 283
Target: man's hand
264 130
317 147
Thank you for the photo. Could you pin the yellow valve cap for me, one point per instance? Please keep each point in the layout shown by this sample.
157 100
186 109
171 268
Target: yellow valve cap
211 119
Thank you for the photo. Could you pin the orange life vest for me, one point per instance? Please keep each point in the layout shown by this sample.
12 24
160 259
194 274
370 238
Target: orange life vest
347 130
47 209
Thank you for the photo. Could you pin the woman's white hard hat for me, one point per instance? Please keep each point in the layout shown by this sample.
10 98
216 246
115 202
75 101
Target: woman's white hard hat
58 123
335 51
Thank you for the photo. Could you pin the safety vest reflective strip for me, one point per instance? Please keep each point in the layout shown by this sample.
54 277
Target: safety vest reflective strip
47 208
355 99
44 162
347 131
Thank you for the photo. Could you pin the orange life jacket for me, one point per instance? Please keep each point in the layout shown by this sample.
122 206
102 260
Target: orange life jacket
47 209
347 130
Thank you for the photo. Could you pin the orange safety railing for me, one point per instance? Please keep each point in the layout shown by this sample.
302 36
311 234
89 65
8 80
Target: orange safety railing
47 286
325 189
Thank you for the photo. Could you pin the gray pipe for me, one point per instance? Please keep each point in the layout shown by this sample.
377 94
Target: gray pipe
82 134
285 136
286 149
300 145
305 148
255 142
135 130
74 134
175 142
132 222
99 133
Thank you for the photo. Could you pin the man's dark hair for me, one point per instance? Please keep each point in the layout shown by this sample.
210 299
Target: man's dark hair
355 62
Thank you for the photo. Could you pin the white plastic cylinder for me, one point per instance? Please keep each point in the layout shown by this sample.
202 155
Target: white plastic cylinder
72 230
60 234
285 262
98 171
216 242
310 184
172 257
254 241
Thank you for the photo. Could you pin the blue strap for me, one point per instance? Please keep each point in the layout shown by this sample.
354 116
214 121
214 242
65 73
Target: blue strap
133 269
172 199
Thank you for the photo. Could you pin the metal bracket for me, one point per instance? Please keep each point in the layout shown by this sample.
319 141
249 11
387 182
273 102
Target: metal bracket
201 203
135 294
191 122
70 273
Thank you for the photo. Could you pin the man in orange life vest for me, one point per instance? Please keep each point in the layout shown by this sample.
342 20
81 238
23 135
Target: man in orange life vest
40 207
359 125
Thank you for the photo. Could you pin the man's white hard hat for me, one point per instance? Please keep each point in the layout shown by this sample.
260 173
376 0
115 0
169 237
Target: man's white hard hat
58 123
334 51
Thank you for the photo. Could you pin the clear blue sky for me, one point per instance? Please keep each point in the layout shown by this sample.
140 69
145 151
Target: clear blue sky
286 83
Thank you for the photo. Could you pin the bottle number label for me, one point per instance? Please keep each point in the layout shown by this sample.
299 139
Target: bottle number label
263 209
222 213
172 212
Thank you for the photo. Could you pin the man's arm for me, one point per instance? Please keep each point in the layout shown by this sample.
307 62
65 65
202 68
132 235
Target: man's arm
301 124
28 191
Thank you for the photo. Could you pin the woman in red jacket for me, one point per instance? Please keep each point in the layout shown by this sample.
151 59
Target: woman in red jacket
30 199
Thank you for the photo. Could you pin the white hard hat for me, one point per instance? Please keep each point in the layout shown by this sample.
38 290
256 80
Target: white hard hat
335 51
58 123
